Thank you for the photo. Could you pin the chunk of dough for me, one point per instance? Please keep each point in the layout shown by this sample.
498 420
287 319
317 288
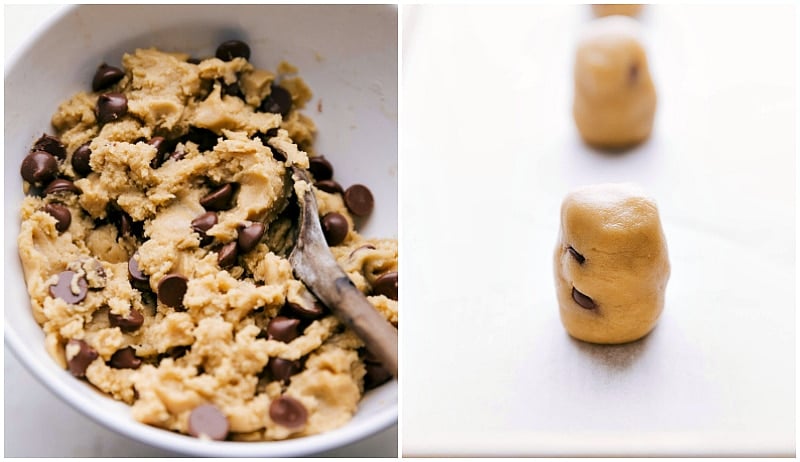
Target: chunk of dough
611 265
615 100
605 9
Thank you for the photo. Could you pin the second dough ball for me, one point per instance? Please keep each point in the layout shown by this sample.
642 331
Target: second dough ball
605 9
615 100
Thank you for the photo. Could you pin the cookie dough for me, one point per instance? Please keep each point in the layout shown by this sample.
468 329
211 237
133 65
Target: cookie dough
615 100
610 263
606 9
154 237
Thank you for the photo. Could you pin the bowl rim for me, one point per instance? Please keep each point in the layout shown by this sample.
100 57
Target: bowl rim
49 375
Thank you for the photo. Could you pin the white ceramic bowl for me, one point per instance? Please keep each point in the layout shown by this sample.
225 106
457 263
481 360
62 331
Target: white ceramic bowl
347 54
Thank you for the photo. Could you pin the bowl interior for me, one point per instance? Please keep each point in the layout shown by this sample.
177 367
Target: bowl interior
348 56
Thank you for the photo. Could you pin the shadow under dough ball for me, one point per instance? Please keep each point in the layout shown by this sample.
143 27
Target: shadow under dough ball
615 101
610 264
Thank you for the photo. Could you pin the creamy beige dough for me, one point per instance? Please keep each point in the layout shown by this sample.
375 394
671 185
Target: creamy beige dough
216 346
611 265
609 9
615 101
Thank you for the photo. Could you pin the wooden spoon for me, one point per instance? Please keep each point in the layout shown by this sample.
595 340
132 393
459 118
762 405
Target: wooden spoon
314 264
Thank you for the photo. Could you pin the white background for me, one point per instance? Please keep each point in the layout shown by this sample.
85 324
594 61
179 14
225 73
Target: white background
39 424
488 151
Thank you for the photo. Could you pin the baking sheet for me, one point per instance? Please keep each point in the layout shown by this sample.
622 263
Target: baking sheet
488 151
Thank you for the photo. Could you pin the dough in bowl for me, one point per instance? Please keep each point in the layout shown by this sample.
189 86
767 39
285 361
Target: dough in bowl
615 100
610 263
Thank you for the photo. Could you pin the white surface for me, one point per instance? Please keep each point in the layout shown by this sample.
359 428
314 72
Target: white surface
490 150
351 69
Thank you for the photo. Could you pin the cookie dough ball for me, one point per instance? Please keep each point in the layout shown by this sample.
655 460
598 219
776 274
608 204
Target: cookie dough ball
611 265
615 101
627 9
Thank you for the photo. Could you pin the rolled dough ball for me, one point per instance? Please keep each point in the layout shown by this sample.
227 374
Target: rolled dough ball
615 100
610 263
628 9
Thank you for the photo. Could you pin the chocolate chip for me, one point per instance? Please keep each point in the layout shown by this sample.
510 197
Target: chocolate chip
583 300
62 215
320 168
329 186
231 49
51 144
359 201
61 185
288 412
277 155
178 351
194 61
110 107
129 323
125 359
77 364
80 159
365 246
171 289
335 228
227 255
160 144
279 101
386 284
376 375
315 311
575 254
202 224
283 369
125 224
39 167
207 421
250 236
204 138
232 89
283 329
105 76
218 199
63 288
138 279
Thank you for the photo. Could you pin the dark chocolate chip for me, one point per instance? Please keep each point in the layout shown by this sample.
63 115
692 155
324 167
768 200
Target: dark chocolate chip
129 323
283 329
125 359
288 412
204 138
359 201
232 89
279 101
320 168
62 215
39 167
218 199
162 148
63 288
376 375
125 224
276 154
171 289
227 255
329 186
250 236
110 107
105 76
335 228
77 364
61 185
207 421
51 144
315 311
231 49
575 254
386 284
178 351
194 61
202 224
283 369
80 159
138 279
583 300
